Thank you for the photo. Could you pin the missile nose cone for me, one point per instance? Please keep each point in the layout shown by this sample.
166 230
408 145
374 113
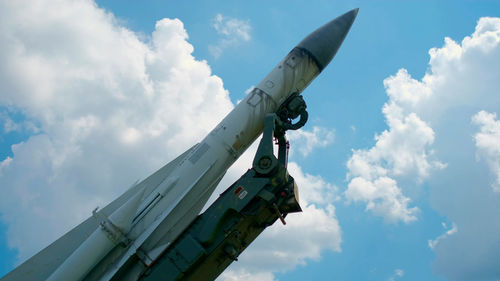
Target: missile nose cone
324 42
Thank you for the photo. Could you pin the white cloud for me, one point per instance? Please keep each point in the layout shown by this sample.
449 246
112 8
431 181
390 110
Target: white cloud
231 31
432 243
232 27
8 124
243 275
315 189
401 151
383 197
398 273
488 142
430 119
5 163
111 109
305 141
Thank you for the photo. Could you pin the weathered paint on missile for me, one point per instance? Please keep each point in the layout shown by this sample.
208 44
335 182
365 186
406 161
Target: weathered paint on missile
232 136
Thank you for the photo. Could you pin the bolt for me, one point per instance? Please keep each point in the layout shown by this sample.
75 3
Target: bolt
265 162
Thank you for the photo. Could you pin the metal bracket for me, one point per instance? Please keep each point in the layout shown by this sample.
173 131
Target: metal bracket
113 232
276 125
293 107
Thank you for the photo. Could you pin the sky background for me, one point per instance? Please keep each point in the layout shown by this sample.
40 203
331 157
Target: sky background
398 166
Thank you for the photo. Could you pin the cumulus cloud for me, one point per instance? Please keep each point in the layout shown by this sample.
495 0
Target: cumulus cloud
430 138
488 142
231 32
315 189
401 151
110 109
305 141
383 197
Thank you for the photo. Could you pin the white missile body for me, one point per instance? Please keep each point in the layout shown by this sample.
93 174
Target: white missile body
155 214
202 169
110 233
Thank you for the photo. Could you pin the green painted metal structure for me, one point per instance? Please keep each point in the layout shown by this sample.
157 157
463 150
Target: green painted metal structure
261 196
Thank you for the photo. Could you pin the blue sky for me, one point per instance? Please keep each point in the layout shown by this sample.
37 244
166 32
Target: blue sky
409 160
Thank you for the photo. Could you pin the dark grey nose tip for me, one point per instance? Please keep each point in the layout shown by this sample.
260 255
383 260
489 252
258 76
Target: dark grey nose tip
323 43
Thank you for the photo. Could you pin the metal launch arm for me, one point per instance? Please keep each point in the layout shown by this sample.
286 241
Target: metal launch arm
255 201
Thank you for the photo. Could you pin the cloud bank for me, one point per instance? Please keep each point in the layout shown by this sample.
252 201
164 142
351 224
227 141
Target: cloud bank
109 109
442 129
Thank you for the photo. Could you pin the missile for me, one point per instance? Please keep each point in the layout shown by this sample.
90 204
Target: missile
199 173
154 212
